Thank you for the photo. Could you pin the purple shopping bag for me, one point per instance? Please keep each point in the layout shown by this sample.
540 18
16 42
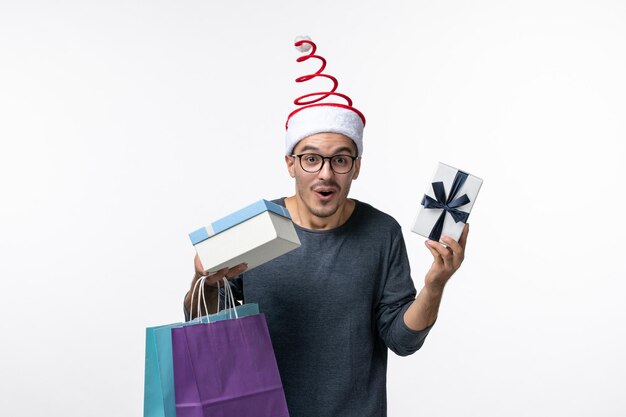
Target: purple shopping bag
227 369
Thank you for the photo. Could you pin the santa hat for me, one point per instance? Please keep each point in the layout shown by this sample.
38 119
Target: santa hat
314 116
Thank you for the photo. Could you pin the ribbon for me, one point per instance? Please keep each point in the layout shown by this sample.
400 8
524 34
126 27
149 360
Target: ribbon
448 204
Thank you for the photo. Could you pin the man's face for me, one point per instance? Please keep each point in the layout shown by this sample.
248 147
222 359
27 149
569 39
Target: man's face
323 192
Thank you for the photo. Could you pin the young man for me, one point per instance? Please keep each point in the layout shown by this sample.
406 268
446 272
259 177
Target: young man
336 304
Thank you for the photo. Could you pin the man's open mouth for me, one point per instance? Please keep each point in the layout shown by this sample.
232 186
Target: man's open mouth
325 192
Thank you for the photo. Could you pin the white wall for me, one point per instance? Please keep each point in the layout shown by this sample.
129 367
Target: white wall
125 125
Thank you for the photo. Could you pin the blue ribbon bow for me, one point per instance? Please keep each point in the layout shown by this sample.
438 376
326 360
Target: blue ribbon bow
448 204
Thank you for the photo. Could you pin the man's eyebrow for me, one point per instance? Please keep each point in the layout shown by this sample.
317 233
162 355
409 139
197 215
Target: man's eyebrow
309 148
344 149
338 150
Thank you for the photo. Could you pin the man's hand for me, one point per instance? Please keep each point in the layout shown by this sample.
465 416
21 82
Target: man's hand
210 285
216 276
446 260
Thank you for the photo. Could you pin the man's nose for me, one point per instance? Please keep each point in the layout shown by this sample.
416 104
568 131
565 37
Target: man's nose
326 171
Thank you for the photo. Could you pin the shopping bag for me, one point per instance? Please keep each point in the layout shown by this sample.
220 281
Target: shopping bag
159 399
227 369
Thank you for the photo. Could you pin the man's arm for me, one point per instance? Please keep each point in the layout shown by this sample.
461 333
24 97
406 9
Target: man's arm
210 288
422 313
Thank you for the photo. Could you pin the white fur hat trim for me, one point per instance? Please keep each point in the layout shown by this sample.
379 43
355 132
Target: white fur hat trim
324 119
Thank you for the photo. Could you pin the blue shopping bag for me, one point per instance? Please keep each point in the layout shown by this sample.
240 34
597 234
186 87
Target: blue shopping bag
159 400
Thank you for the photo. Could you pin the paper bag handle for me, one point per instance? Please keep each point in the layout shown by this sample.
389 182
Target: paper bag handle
229 299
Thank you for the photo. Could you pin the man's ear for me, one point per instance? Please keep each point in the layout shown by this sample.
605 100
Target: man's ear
357 169
291 166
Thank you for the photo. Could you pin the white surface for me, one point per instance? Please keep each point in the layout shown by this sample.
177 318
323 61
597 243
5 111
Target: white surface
255 241
426 218
126 124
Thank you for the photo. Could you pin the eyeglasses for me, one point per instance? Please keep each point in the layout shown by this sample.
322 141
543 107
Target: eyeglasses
312 162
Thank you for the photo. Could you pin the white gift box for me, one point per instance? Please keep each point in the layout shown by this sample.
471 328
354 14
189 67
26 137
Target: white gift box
254 235
442 213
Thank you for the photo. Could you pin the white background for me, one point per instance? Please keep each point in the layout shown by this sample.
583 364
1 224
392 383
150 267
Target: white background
125 125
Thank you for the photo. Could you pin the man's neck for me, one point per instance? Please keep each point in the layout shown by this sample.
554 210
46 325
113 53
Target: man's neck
301 215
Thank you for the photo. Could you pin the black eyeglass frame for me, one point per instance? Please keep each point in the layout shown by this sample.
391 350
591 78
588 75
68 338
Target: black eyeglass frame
324 158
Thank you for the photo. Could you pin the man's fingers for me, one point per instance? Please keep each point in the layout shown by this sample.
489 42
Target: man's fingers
216 276
444 253
458 248
212 278
463 238
236 270
224 272
198 265
432 247
227 273
452 244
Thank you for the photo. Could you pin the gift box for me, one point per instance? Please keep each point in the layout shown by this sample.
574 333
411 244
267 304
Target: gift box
254 235
447 203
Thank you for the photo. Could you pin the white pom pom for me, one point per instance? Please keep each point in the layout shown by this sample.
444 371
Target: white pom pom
305 47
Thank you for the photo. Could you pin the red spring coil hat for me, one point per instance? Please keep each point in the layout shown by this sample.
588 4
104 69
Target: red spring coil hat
313 115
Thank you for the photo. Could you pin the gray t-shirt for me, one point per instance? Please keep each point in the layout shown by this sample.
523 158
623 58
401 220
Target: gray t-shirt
333 307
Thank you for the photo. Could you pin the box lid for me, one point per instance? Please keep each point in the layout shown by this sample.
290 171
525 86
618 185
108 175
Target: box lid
235 218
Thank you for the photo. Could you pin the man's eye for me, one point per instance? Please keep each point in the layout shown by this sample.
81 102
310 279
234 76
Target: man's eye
311 159
341 160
